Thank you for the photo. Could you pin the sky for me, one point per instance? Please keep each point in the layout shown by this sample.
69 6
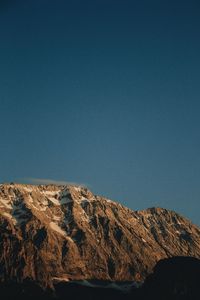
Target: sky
104 94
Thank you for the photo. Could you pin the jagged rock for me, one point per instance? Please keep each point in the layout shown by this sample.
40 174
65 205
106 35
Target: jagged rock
60 233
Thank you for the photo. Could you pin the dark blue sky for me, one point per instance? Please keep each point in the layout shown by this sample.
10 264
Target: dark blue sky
104 93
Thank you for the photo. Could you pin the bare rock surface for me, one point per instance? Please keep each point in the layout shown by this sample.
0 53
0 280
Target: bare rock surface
60 233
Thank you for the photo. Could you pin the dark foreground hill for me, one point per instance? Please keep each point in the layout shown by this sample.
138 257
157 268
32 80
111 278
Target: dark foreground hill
176 278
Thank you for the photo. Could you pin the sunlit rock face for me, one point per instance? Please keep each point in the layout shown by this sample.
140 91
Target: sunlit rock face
59 233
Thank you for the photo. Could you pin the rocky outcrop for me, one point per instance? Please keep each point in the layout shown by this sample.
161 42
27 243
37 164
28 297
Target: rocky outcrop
60 233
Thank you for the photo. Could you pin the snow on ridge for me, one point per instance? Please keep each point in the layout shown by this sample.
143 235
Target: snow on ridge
28 189
64 278
124 287
54 200
16 219
77 188
50 193
5 203
56 218
9 216
57 228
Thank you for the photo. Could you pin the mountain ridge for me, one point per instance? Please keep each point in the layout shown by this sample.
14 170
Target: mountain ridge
67 232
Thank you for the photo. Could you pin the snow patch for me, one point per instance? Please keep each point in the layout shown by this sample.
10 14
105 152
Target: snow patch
27 189
60 279
15 219
124 287
56 218
6 203
55 201
9 216
57 228
70 239
77 188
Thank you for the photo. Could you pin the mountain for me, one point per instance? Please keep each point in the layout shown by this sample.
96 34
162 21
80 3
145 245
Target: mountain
52 234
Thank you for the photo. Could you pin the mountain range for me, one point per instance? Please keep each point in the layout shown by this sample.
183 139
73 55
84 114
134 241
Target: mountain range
52 234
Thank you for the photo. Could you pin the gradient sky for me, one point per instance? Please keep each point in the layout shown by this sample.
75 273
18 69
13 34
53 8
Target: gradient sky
104 93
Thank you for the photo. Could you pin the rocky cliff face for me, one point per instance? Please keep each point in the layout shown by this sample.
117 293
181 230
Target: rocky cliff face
53 233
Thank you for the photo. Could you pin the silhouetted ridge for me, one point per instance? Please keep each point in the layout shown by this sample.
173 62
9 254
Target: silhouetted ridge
174 278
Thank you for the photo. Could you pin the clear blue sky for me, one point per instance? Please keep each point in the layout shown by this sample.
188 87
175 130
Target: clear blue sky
105 93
